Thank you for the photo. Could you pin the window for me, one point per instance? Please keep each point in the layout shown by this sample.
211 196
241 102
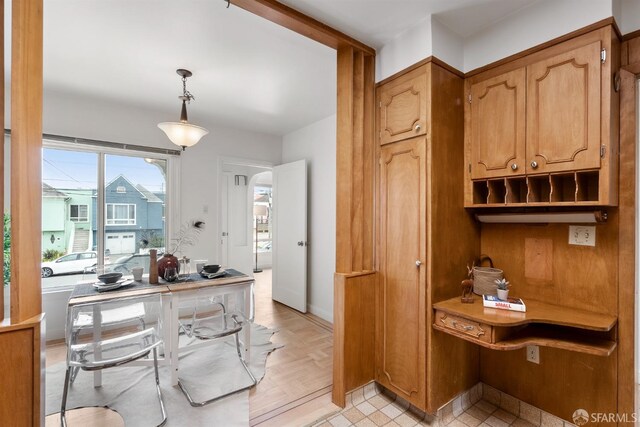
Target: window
96 198
78 213
121 214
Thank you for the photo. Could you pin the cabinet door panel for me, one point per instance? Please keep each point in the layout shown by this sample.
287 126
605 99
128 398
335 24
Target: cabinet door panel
402 297
563 111
498 126
403 107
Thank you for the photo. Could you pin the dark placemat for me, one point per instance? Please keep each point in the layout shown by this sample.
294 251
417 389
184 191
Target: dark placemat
87 289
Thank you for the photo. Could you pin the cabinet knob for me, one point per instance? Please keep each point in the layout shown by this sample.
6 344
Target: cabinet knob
417 127
300 243
534 164
418 263
514 166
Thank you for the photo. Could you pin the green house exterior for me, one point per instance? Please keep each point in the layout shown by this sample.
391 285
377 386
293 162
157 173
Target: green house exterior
66 219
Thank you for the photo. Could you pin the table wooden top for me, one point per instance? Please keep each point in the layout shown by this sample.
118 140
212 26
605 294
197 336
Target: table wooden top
84 293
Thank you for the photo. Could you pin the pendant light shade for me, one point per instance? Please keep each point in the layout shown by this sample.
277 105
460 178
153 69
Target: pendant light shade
183 133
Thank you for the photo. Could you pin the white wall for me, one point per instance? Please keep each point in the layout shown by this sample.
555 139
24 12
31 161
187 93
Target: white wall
409 47
447 46
533 25
628 15
317 144
528 27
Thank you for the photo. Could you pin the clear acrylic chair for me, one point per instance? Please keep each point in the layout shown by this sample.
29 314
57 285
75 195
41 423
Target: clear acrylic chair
210 320
130 329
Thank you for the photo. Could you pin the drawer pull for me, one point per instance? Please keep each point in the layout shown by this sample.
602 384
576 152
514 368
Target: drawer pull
463 327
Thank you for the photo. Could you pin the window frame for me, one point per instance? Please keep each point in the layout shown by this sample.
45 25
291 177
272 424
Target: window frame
172 187
129 220
79 218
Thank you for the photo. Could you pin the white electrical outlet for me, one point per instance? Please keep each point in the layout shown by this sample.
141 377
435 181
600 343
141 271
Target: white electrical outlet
533 354
584 235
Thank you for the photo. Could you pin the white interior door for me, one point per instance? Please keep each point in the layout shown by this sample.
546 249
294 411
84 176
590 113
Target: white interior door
224 222
289 274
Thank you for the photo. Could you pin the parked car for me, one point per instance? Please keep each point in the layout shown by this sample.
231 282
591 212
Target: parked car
126 263
75 262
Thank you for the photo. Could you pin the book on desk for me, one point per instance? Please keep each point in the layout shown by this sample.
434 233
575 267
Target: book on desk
514 304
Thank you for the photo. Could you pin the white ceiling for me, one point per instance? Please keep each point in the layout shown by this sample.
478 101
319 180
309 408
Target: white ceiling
376 22
248 72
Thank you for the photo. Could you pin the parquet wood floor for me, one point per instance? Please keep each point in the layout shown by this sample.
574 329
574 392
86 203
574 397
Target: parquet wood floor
297 386
300 369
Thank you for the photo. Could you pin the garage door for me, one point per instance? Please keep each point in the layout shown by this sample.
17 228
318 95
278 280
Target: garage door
121 243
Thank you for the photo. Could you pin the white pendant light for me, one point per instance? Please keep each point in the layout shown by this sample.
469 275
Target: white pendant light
183 133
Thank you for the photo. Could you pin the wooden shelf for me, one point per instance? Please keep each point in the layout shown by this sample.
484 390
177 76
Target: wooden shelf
573 188
543 324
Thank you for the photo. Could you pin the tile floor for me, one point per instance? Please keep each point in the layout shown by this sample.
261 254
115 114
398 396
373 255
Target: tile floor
481 406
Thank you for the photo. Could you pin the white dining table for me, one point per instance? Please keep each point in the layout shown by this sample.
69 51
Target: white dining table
174 295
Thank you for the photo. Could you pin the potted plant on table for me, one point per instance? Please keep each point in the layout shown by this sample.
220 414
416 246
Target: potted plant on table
503 289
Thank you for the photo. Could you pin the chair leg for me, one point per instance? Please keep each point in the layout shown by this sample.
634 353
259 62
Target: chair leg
206 402
65 391
241 357
155 368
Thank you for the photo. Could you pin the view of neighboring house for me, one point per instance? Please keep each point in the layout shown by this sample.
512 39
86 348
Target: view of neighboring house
54 219
133 213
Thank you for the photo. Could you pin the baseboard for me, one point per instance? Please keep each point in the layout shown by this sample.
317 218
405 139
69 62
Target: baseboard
323 314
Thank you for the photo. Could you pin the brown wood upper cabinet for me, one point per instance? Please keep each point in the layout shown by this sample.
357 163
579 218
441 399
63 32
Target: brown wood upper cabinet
563 111
403 107
498 125
547 113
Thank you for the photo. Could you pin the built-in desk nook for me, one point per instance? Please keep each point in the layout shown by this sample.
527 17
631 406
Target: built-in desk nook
542 324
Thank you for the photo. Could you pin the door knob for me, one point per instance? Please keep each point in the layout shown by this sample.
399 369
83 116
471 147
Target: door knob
534 164
418 263
300 243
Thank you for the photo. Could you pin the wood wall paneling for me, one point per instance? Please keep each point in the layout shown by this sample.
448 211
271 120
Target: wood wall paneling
583 277
627 236
354 327
453 237
26 159
563 381
23 369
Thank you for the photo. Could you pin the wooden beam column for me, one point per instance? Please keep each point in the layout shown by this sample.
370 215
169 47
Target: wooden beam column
355 157
355 280
26 159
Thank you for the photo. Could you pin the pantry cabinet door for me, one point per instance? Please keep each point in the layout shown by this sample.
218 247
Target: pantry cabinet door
400 329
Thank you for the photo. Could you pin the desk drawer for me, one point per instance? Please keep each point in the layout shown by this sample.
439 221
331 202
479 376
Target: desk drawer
476 330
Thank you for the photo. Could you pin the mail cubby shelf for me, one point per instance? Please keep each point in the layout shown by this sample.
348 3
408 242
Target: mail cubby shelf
576 188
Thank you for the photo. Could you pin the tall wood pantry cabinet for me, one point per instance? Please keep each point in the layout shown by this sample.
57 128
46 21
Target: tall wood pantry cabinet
421 257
